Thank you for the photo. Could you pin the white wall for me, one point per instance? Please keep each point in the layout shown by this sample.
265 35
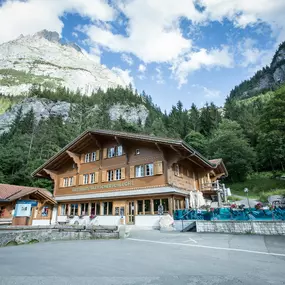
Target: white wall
147 221
41 223
54 215
99 220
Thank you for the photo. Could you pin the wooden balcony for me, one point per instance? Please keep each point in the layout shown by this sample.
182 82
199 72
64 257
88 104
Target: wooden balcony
211 187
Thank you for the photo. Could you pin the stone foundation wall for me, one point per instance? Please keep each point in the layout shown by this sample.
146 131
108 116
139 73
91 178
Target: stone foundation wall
17 237
242 227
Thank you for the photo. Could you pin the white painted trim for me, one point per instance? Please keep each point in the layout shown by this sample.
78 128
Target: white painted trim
115 194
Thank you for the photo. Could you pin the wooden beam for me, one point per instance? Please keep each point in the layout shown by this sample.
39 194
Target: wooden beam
51 173
96 141
76 158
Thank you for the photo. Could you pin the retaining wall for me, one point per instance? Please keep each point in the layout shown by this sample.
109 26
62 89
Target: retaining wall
16 236
242 227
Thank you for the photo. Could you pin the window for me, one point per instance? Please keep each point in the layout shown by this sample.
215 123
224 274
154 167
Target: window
84 209
118 174
111 152
140 171
140 207
65 182
119 150
85 178
93 156
156 203
70 181
110 175
107 208
64 210
45 211
92 178
137 151
164 203
74 209
147 209
87 157
95 208
149 169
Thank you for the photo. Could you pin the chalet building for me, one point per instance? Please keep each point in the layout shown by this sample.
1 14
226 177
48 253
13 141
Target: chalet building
20 205
109 177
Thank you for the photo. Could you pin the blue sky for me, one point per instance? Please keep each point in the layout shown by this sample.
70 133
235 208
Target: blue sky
193 51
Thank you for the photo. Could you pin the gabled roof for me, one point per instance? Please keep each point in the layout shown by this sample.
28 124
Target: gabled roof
220 166
10 192
96 135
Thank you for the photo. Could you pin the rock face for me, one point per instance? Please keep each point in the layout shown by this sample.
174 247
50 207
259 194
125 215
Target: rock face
43 108
42 59
266 79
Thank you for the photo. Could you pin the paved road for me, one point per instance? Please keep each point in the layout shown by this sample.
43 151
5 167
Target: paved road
148 257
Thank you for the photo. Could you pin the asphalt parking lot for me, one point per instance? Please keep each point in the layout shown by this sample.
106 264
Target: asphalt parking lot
148 257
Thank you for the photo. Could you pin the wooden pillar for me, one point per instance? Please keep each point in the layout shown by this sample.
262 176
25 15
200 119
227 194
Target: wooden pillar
69 209
143 207
151 207
79 209
101 208
170 205
136 207
174 205
89 209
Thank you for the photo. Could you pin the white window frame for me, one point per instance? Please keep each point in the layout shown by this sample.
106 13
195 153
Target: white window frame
71 180
85 208
150 165
87 157
64 210
93 156
110 175
119 150
85 179
140 170
92 178
118 174
111 152
65 181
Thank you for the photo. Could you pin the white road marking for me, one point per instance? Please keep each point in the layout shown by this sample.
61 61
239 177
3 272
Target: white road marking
210 247
192 240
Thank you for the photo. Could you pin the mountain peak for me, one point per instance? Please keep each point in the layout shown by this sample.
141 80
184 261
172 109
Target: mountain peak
48 35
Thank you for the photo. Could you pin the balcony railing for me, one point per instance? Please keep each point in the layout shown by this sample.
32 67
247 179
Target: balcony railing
213 186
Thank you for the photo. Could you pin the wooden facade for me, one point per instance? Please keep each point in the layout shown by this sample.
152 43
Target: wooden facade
114 173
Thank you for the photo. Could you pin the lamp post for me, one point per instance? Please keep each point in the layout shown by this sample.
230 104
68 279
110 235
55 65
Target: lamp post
246 191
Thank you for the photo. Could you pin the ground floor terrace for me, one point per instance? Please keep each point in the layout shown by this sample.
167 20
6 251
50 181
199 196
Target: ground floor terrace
142 208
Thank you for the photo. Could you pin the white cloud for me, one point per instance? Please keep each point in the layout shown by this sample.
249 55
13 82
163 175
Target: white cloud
201 59
159 76
142 68
74 34
125 75
29 17
126 58
248 12
207 92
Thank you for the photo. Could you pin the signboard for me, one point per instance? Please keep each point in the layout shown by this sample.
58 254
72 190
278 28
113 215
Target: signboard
32 202
23 210
103 186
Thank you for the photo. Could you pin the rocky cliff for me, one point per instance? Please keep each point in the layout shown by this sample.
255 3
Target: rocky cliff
43 59
44 108
269 78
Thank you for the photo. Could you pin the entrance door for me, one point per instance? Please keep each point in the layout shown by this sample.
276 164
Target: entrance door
131 212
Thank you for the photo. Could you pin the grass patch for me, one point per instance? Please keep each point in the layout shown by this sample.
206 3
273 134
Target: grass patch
259 185
234 198
12 77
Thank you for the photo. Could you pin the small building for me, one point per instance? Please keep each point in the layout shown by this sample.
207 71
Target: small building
113 177
21 205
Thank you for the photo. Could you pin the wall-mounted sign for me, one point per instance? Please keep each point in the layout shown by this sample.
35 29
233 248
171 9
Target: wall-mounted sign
31 202
103 186
23 210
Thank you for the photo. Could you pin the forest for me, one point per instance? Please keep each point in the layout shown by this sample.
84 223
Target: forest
249 134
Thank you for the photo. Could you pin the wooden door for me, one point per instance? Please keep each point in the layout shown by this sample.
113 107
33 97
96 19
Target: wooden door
130 212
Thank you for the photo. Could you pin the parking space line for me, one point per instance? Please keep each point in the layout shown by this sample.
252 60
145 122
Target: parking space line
209 247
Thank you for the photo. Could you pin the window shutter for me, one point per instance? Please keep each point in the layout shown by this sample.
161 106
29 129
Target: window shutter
80 179
104 153
96 177
123 173
158 169
61 182
82 158
104 176
132 171
98 154
74 181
